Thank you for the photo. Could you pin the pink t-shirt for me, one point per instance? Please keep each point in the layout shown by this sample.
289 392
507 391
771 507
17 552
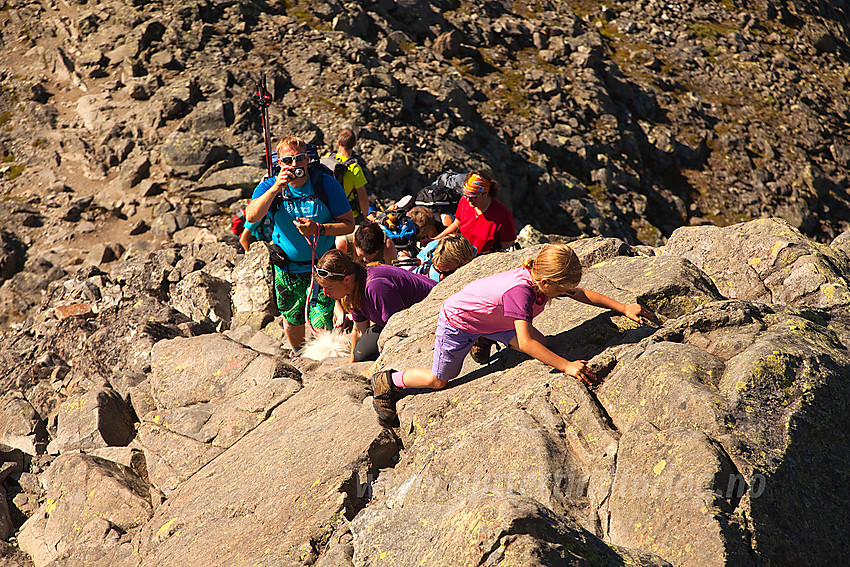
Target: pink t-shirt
492 304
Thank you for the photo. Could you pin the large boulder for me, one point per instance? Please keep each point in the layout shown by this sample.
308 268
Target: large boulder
84 494
208 392
20 425
226 186
188 154
97 111
669 488
766 260
279 494
253 288
761 383
172 458
203 297
721 402
670 384
494 527
98 418
209 115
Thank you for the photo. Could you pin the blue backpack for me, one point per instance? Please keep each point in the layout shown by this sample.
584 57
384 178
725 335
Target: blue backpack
400 229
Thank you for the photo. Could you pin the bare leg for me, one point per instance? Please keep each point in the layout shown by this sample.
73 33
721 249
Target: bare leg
294 334
422 378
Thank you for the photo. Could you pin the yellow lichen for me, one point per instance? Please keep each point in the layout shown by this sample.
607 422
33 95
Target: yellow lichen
166 526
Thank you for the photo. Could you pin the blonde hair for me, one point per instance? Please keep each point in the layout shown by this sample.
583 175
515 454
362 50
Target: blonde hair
339 262
556 263
292 142
453 249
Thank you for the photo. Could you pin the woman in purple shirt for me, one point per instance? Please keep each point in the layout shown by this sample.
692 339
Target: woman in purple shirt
369 295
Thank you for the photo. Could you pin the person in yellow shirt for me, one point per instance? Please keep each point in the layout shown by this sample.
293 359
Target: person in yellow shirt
354 181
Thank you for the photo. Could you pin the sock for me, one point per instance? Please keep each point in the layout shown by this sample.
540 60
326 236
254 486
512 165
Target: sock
398 379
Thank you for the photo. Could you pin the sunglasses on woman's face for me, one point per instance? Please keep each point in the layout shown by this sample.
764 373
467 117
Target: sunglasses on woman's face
325 274
292 160
445 273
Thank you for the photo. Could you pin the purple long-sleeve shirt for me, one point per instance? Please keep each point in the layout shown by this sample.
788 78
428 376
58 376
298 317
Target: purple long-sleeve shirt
389 290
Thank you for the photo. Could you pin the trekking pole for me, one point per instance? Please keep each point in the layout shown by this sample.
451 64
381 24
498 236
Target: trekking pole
264 99
311 298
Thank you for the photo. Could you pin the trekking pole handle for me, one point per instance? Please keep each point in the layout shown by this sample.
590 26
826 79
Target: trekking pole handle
263 96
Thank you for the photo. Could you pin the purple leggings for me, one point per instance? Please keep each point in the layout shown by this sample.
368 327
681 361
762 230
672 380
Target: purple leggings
452 345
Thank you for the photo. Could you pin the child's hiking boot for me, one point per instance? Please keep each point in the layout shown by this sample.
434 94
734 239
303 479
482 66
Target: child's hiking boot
481 350
385 395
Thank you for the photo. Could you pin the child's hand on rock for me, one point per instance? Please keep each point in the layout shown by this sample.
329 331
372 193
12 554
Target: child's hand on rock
579 369
637 313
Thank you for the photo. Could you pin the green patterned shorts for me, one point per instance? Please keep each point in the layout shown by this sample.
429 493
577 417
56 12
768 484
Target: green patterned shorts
291 294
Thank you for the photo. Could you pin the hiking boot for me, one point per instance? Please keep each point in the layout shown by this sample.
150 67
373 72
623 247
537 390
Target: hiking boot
385 394
481 350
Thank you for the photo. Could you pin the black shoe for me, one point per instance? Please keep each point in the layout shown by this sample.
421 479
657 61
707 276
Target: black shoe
385 395
481 350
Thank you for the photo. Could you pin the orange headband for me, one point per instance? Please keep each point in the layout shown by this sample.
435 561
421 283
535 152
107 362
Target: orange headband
476 184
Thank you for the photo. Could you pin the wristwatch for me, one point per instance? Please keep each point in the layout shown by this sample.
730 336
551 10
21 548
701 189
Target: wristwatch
321 229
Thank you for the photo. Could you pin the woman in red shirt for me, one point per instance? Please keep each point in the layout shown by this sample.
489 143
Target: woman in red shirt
481 218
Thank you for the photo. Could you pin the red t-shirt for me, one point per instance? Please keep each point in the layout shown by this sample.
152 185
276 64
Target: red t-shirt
488 230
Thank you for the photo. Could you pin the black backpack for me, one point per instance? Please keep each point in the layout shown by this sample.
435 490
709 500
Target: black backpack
338 169
442 196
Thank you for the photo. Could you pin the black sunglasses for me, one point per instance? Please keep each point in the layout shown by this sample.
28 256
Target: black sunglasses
325 274
446 273
292 160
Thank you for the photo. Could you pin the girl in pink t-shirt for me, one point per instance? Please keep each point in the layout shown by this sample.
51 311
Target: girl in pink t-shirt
501 307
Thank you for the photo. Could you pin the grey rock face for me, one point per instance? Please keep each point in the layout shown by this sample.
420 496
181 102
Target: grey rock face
228 186
189 154
670 396
333 481
506 528
767 261
208 392
85 495
98 418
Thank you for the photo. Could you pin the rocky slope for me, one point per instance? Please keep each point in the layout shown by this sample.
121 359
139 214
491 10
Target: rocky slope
147 414
123 123
136 435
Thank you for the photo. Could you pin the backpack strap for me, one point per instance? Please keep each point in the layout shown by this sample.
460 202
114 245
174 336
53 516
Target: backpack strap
317 174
